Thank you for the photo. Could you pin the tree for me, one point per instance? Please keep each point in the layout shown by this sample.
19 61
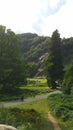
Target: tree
32 69
67 84
12 68
54 62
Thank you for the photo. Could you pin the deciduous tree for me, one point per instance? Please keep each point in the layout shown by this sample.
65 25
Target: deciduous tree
12 68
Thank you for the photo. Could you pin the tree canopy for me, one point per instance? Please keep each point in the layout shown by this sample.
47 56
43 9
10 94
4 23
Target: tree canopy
11 63
54 62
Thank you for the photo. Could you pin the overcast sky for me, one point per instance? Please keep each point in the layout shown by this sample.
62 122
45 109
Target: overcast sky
38 16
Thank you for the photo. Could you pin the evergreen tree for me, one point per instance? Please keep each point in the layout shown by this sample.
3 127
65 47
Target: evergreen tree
54 63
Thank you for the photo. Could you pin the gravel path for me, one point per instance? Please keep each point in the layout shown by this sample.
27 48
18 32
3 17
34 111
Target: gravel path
14 103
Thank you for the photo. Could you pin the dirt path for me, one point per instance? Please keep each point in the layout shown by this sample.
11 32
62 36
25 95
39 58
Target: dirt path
53 121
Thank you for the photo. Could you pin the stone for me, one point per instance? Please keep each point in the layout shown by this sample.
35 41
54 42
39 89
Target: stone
6 127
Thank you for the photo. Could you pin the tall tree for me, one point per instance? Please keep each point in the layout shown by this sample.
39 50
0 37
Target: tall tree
54 63
12 68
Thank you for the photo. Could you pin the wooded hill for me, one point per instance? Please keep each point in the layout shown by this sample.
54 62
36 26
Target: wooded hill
36 49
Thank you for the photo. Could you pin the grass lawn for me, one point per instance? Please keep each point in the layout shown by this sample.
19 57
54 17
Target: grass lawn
35 86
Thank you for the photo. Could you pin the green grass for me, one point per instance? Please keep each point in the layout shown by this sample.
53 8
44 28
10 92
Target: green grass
40 106
36 86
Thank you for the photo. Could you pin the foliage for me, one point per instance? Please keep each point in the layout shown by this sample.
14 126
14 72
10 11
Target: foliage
62 108
54 62
67 50
33 47
68 80
12 69
32 69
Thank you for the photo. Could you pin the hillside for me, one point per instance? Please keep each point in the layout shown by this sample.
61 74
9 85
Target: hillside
36 49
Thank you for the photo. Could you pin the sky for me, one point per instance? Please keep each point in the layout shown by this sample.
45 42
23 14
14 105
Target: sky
38 16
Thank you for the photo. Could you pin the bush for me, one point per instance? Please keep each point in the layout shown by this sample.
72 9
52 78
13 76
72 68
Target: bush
61 106
62 112
68 80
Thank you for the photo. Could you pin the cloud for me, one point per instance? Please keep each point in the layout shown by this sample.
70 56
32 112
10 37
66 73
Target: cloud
62 21
38 16
56 3
47 20
19 14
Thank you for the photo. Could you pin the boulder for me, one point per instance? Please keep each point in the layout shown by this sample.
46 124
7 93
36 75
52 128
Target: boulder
6 127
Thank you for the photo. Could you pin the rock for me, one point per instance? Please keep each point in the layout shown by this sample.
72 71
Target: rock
6 127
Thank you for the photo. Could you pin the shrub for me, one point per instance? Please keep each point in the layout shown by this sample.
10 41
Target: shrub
61 106
68 80
62 112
